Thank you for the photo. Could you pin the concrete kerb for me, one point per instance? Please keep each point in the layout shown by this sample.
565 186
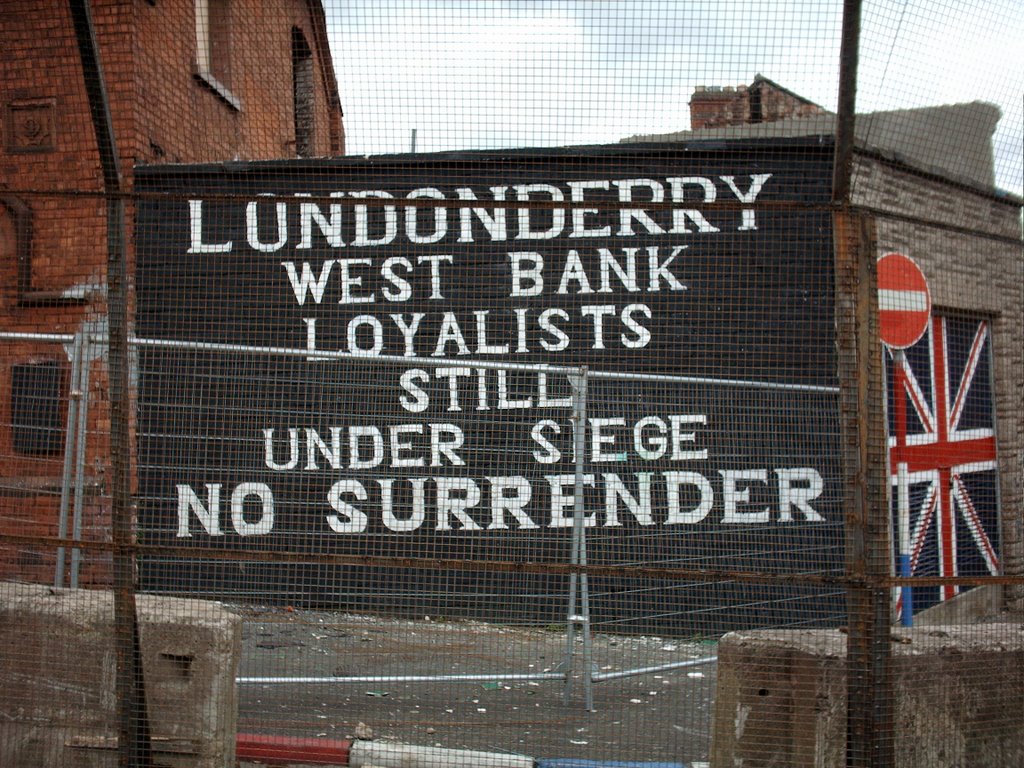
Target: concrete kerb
573 763
387 755
377 754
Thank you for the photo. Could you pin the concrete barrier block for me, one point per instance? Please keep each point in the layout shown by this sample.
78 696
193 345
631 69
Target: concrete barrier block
58 661
970 607
958 690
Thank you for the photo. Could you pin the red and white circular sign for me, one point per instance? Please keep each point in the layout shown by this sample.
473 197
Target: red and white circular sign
904 301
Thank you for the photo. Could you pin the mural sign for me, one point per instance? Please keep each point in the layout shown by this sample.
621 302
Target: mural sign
688 280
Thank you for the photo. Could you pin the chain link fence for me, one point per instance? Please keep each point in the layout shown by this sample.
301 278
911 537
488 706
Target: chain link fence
610 383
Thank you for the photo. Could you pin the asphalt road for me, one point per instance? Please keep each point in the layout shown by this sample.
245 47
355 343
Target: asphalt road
659 715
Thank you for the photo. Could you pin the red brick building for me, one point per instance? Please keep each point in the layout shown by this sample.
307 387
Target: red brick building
186 81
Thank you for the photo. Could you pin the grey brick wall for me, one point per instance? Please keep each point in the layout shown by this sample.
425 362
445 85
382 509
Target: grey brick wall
974 262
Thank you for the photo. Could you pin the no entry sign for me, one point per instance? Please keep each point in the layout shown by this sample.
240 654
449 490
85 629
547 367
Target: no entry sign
904 302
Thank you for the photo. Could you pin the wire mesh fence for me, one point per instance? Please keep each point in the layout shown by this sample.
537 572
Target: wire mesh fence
631 383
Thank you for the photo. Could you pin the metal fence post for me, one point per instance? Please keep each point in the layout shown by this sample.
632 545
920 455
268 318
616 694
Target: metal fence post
81 437
578 616
70 443
134 748
869 702
869 736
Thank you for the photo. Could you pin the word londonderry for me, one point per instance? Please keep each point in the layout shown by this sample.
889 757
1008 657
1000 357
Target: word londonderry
367 218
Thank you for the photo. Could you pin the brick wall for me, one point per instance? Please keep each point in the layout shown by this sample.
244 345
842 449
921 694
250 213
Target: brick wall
180 118
779 104
761 102
50 175
718 107
973 265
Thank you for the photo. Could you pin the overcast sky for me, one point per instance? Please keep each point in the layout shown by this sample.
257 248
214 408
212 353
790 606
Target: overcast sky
475 74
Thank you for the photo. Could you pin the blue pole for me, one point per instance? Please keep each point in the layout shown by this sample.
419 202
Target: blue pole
907 614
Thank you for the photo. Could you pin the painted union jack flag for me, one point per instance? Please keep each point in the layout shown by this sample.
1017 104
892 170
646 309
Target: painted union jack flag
942 454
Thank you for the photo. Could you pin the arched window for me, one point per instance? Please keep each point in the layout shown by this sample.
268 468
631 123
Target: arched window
16 234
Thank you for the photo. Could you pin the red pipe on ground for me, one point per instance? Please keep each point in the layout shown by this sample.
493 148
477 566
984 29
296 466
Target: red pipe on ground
284 750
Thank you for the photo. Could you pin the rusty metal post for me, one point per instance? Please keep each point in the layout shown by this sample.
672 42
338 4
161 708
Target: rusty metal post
842 171
869 695
578 617
134 748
